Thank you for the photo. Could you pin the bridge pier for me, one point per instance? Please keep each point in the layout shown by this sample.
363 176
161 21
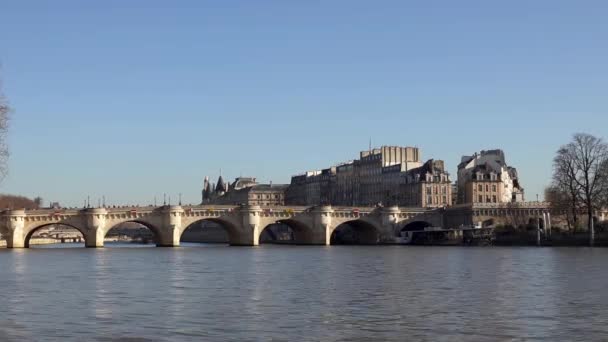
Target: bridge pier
389 218
15 239
94 238
95 223
170 233
249 233
322 225
14 223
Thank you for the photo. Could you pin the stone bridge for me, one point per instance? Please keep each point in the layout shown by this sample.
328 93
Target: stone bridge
244 224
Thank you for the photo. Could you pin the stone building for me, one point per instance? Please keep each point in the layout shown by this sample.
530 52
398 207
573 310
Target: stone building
428 186
485 177
244 190
388 175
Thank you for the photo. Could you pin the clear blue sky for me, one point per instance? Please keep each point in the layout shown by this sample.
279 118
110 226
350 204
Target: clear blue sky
130 99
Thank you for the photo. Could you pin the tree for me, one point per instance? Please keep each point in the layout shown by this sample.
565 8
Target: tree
589 158
561 202
4 111
16 202
565 191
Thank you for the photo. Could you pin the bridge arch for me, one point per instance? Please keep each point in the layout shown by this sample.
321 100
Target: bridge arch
355 232
154 230
415 225
32 230
232 230
299 232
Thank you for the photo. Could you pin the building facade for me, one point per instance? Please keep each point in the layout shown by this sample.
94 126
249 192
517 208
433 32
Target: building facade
387 175
244 190
485 177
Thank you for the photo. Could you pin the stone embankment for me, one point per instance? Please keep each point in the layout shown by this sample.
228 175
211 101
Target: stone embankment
35 241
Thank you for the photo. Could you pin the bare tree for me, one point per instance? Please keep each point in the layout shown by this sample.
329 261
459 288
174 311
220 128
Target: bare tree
561 203
565 190
4 111
590 160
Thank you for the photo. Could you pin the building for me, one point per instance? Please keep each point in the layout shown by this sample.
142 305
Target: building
485 177
244 190
387 175
428 186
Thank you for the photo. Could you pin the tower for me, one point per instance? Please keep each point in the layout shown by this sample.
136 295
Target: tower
206 192
220 188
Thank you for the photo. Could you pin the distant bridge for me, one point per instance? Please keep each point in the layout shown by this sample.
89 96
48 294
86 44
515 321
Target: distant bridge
244 224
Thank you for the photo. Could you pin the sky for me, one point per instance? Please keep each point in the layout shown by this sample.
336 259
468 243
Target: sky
133 99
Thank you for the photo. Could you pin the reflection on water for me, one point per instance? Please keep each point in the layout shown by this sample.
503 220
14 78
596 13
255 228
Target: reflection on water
213 292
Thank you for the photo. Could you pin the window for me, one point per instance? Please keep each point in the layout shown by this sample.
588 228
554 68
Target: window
444 190
480 199
428 190
480 187
487 199
444 200
494 199
487 187
494 188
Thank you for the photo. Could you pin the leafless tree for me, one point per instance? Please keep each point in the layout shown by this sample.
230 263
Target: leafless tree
590 158
565 190
4 111
562 203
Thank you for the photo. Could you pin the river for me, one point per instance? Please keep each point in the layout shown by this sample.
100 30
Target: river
300 293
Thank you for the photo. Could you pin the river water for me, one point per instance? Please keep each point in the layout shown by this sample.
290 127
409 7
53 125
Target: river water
300 293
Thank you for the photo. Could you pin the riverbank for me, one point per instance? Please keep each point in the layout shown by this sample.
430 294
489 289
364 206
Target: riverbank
506 237
557 239
35 241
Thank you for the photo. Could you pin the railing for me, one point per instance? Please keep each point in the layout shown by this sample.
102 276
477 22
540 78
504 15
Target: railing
516 205
151 208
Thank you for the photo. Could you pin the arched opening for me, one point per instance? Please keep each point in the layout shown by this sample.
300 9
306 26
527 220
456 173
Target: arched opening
131 234
487 223
288 232
355 233
406 234
209 231
416 225
54 235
